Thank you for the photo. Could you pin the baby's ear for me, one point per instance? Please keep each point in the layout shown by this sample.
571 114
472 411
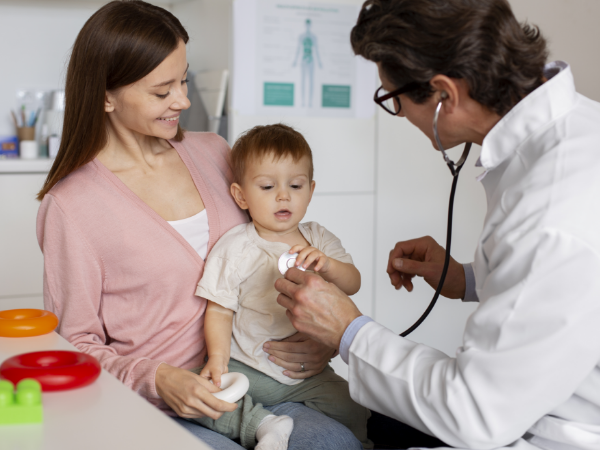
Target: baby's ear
238 195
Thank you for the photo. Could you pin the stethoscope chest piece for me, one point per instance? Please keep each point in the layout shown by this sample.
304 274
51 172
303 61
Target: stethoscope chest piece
287 261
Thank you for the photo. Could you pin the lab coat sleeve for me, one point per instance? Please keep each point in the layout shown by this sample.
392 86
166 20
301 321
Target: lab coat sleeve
526 349
73 280
470 293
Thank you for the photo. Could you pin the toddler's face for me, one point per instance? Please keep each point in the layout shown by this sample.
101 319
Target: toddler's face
276 193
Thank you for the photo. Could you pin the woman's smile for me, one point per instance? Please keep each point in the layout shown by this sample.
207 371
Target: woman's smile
170 121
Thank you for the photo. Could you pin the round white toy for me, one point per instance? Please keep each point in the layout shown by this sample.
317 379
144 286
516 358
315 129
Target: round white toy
234 385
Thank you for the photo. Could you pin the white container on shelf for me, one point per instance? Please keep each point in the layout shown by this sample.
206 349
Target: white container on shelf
28 149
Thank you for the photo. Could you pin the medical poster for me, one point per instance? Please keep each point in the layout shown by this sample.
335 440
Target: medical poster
302 61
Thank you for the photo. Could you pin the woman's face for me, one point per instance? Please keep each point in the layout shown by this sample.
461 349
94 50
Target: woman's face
151 106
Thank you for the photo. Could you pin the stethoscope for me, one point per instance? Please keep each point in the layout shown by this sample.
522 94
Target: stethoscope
455 170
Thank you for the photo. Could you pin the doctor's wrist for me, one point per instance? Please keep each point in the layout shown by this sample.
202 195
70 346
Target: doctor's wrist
349 335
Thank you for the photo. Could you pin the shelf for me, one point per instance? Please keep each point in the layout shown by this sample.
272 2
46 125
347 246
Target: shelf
12 166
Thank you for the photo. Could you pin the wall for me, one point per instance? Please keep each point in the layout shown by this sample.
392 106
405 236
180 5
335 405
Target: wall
35 43
571 27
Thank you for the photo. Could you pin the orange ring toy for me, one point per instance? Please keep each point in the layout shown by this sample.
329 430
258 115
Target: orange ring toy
26 322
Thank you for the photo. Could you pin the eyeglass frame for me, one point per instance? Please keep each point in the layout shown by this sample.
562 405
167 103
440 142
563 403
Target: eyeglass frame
394 94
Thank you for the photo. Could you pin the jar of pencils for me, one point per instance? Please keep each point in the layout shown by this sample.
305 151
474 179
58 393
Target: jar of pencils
26 133
28 147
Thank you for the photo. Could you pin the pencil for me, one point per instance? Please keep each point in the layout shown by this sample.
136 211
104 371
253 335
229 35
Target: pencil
37 116
14 116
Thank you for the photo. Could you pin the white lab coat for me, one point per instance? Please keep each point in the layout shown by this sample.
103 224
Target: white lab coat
527 375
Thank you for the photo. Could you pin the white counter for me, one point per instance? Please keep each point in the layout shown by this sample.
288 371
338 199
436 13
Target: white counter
104 415
16 165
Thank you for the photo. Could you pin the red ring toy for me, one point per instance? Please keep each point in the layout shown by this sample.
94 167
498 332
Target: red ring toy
56 370
26 322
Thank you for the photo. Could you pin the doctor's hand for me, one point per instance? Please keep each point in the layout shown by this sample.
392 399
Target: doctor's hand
315 307
424 257
188 394
297 350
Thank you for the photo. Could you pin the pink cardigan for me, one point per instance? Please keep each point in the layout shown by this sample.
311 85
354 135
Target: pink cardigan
120 279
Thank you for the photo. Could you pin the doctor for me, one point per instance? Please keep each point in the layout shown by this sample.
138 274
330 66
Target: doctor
527 374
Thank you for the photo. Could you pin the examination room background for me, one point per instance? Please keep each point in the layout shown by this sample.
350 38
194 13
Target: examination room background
378 178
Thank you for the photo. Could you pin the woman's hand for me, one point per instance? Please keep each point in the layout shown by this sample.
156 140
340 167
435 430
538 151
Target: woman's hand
309 255
424 257
315 307
188 394
214 368
291 352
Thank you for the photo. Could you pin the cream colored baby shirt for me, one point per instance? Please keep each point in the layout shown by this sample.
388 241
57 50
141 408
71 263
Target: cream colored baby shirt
240 275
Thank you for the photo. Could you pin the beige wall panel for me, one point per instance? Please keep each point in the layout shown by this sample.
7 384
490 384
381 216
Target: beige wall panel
571 28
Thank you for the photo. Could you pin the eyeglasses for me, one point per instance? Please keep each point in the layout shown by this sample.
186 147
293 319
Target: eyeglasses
390 100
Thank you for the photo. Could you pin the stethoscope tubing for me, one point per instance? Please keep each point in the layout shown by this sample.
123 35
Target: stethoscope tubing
455 170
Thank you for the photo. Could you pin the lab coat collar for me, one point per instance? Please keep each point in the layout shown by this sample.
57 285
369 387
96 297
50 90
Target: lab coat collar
551 100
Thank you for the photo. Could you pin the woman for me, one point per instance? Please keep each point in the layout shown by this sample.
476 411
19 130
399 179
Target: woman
528 373
129 211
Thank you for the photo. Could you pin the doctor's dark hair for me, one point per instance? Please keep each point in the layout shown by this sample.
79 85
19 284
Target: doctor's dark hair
479 41
277 141
120 44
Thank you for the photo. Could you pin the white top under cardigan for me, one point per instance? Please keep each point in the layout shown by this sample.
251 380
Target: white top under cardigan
527 374
194 230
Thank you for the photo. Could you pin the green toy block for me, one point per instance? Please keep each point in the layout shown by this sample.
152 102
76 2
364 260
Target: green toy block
24 406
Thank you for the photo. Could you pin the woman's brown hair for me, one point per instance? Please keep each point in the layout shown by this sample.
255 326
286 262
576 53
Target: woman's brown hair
479 41
120 44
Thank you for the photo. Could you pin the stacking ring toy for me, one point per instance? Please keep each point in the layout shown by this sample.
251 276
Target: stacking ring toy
56 370
26 322
234 385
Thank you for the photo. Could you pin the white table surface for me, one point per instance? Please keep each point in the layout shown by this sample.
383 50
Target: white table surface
104 415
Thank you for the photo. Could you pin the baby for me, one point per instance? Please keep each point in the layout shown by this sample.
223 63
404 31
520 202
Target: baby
273 173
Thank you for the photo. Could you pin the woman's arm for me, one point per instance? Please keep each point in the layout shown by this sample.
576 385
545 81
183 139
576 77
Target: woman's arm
73 280
217 332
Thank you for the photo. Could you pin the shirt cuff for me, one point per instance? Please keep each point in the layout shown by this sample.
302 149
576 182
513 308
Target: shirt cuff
470 293
349 335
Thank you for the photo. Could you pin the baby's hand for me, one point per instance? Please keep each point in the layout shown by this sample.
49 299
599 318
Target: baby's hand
309 255
214 368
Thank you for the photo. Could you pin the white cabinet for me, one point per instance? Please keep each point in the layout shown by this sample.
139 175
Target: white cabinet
21 261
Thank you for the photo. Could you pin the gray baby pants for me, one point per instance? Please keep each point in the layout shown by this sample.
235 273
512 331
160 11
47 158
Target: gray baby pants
326 392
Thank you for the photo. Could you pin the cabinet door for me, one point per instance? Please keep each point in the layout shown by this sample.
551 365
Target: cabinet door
21 261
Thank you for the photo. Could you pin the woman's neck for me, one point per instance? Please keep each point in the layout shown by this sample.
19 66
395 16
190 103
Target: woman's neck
127 148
